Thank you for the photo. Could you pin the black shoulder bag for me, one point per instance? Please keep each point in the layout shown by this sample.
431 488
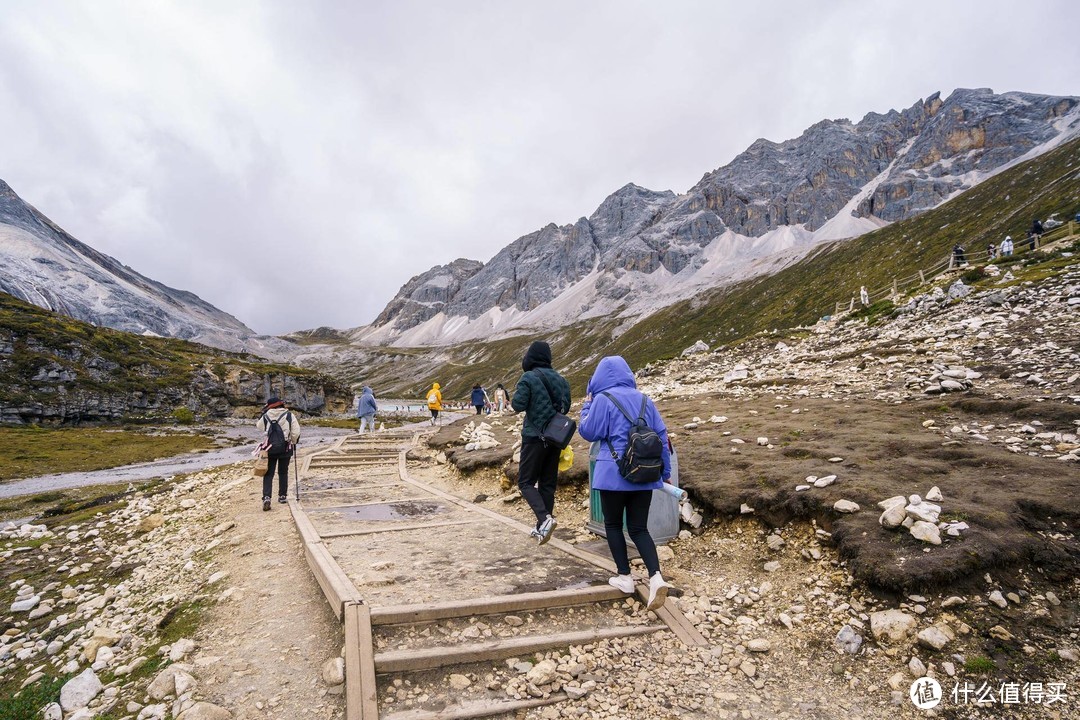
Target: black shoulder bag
560 429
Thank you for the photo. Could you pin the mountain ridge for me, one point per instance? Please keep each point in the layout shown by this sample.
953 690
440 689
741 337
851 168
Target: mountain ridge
44 265
766 208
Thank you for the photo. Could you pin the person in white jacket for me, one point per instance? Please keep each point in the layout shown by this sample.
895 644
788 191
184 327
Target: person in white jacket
282 433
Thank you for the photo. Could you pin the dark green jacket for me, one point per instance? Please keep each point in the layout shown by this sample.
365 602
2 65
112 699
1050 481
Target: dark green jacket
531 396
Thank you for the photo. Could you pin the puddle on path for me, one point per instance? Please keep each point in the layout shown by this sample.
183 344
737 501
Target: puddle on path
399 510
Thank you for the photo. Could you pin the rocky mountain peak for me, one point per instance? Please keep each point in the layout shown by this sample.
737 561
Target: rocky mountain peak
838 179
42 264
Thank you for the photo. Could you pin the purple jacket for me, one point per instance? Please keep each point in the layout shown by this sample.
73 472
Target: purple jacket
601 420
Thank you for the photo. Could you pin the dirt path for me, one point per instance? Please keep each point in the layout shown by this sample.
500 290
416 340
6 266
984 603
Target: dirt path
261 648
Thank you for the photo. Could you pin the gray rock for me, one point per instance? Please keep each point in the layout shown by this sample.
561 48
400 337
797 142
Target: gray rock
927 532
892 626
893 517
543 673
848 640
80 690
998 599
205 711
758 645
169 682
696 349
935 637
845 506
333 671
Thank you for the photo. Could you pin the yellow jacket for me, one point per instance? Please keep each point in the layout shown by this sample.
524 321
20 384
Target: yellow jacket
434 397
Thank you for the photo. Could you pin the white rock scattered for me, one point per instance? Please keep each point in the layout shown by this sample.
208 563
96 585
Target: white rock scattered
892 625
80 690
845 506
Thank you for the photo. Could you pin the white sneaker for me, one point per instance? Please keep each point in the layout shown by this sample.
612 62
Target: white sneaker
546 528
658 590
623 583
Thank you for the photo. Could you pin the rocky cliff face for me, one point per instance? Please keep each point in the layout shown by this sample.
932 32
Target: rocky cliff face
838 179
57 370
45 266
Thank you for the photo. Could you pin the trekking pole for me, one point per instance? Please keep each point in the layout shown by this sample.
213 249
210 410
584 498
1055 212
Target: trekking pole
296 465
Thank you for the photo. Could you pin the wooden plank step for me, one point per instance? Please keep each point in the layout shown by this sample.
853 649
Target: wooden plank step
332 508
361 699
436 657
395 528
351 488
392 614
476 709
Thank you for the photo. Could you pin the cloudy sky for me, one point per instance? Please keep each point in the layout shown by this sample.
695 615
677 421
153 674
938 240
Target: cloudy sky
294 163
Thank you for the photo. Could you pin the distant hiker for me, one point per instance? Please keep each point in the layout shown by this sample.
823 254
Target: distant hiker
612 395
991 251
1007 246
502 398
1036 232
864 297
1032 243
366 410
479 398
434 402
958 255
541 392
282 433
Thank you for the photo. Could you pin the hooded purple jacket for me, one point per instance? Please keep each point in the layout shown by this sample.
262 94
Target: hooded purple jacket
601 420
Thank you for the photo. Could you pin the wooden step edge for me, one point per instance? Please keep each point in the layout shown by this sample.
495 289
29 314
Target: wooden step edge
396 614
395 528
442 656
475 709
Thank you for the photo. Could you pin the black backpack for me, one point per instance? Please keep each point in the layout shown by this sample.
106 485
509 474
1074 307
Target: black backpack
276 442
643 460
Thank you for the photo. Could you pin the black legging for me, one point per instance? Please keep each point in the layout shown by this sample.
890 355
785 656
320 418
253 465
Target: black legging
538 474
636 505
282 462
479 409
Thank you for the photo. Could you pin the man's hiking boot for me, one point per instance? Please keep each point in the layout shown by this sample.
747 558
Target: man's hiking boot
658 590
534 533
546 528
625 583
266 503
282 499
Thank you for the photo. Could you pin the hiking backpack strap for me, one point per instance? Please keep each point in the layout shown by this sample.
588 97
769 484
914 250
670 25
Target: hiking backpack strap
640 418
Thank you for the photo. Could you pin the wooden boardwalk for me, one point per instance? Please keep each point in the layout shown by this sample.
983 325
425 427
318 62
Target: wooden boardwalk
362 515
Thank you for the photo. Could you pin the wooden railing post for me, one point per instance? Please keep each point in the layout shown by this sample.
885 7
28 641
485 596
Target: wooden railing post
922 278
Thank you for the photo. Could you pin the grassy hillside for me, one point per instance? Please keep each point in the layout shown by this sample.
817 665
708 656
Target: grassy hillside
56 368
798 295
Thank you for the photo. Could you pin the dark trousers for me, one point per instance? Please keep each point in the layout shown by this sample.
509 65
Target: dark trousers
538 472
636 506
479 409
282 463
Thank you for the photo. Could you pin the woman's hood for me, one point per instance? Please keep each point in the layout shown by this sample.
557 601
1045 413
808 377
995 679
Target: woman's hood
434 386
611 372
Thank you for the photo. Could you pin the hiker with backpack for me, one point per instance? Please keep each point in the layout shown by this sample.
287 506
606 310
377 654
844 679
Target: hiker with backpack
434 402
544 396
282 433
479 398
366 408
633 461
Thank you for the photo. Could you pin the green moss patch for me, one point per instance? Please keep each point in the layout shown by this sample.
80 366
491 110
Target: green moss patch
32 451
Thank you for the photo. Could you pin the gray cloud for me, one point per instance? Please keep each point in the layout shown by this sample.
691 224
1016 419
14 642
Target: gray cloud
295 163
